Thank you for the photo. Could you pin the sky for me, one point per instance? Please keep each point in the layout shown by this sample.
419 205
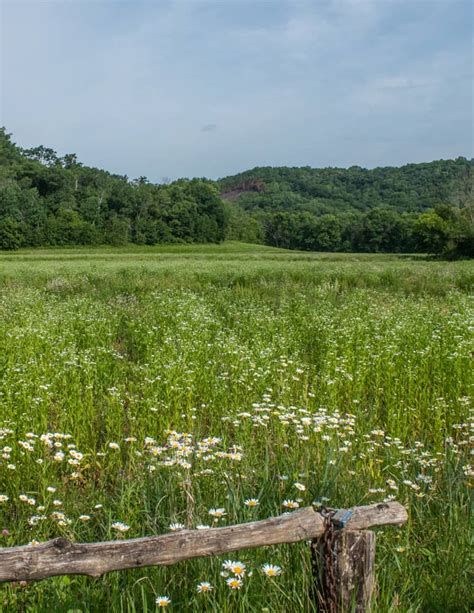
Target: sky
184 88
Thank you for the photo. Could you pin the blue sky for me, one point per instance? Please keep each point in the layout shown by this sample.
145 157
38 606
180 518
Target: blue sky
202 88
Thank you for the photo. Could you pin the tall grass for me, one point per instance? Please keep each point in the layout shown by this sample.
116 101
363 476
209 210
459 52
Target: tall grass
150 390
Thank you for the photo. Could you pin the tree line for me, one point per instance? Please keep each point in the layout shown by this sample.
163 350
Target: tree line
443 230
426 208
49 200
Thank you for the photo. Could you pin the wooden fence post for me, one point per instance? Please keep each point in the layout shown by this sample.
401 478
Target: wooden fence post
355 569
344 570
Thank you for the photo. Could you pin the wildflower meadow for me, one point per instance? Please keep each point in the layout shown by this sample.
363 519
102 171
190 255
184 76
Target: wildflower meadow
149 390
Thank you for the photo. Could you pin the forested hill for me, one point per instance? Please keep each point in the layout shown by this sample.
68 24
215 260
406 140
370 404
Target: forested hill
47 200
410 188
418 207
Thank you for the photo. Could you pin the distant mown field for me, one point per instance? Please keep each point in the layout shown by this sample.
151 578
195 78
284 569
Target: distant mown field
142 389
230 264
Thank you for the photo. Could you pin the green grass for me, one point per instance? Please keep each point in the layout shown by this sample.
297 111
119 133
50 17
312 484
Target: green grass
348 374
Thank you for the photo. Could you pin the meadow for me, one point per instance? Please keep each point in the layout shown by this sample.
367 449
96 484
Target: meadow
143 390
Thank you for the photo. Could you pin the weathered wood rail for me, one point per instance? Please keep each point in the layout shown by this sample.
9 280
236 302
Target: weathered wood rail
352 550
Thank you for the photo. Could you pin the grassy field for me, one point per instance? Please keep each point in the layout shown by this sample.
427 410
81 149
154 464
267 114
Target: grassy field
142 388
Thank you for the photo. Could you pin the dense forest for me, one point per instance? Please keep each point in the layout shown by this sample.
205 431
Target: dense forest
48 200
415 208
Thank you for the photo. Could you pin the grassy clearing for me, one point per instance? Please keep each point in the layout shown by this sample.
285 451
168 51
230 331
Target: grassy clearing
149 386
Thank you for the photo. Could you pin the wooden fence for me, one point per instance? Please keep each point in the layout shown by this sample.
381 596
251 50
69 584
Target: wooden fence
342 550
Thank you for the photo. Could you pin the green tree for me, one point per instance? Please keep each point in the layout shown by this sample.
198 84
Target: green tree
432 232
118 230
11 236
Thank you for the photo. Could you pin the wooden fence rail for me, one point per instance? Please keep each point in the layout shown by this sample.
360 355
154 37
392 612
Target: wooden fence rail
351 554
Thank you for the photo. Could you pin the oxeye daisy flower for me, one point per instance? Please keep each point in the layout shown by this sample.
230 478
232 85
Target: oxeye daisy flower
238 568
300 486
114 446
176 527
57 515
217 513
290 504
120 526
234 583
204 586
271 570
251 502
163 601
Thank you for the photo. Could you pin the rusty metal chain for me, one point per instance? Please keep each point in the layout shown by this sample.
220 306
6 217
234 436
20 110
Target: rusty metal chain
330 586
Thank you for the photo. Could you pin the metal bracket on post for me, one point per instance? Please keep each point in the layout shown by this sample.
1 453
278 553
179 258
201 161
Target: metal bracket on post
341 517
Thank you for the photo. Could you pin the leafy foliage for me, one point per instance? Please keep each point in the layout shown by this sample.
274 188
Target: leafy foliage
48 200
418 207
410 188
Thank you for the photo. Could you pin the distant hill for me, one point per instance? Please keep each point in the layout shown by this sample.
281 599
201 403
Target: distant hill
410 188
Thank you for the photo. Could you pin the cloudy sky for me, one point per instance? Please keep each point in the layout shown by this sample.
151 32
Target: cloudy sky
170 88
